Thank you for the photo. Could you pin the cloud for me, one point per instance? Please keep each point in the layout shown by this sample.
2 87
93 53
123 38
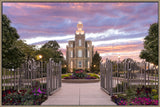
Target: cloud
41 39
122 25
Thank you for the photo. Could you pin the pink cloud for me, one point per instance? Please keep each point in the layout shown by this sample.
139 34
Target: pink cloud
27 5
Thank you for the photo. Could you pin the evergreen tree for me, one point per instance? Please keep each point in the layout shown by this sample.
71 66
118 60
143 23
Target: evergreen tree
96 60
150 52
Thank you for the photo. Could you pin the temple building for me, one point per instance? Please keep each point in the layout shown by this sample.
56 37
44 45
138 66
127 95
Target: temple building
80 51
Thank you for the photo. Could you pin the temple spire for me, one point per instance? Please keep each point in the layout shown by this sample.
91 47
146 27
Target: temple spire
79 28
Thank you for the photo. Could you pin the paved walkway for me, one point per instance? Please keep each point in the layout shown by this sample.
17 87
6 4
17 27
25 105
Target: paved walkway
79 94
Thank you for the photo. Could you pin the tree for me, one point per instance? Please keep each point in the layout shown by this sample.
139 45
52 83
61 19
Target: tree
133 64
150 51
51 44
96 60
12 57
51 50
128 60
28 50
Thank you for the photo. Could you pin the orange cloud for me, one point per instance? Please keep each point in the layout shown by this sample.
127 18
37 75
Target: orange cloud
118 47
22 5
124 4
125 51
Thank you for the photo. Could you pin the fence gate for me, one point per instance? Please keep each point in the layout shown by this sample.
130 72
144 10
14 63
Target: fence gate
53 76
48 76
106 78
118 76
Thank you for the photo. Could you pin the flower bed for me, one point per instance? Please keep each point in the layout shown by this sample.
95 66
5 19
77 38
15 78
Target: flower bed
81 74
33 96
143 96
80 80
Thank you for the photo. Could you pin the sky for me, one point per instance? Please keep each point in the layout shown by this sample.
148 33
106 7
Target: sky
115 29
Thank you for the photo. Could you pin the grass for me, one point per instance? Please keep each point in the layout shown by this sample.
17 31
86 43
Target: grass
66 75
91 74
94 75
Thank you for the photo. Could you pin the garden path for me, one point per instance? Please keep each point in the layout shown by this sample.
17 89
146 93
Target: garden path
79 94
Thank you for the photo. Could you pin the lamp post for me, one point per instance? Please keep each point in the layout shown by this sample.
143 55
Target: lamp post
40 57
118 71
118 64
41 68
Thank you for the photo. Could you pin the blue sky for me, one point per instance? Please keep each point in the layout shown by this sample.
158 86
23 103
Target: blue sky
115 28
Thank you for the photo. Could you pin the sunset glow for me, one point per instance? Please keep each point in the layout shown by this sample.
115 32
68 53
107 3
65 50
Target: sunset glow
114 28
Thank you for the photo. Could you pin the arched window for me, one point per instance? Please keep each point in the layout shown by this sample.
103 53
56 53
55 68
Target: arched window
71 54
88 44
88 53
71 45
80 44
88 64
79 53
71 64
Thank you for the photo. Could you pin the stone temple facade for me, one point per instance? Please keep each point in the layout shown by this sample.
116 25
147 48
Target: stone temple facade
79 52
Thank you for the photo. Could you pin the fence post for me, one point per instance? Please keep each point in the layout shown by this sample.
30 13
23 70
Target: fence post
60 71
128 73
111 80
155 74
56 75
51 70
106 76
4 77
145 75
15 78
101 74
148 72
19 77
47 79
41 73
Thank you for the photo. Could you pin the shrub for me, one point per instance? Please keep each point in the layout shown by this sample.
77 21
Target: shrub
64 70
142 96
143 101
131 75
93 75
154 92
79 73
131 93
65 75
155 97
116 74
120 87
86 70
31 96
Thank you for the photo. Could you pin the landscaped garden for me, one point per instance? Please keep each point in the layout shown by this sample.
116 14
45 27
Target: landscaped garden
80 74
26 96
141 95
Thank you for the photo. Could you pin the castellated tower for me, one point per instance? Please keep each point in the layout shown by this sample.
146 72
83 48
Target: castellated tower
79 52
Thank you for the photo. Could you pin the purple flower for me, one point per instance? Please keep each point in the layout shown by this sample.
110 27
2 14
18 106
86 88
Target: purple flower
39 91
34 90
